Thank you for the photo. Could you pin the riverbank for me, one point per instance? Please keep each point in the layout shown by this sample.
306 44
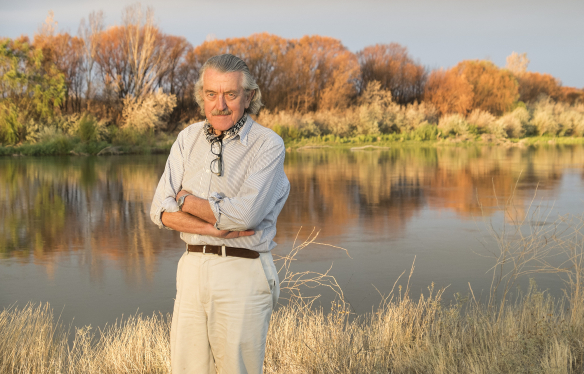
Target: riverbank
162 143
535 334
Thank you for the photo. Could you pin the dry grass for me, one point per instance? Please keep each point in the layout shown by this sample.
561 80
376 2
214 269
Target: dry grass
529 333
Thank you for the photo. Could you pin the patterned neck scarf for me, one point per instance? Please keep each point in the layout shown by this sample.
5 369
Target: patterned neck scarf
210 134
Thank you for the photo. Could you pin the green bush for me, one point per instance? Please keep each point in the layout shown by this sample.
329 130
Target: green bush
10 126
87 129
425 131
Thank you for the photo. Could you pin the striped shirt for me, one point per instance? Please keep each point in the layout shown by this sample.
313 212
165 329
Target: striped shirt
249 195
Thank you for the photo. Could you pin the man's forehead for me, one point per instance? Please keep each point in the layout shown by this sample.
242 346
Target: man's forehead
215 79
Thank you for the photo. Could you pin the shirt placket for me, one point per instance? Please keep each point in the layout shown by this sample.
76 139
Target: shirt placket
205 181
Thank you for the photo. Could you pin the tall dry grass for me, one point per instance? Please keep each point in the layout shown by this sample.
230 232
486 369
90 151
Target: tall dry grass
531 332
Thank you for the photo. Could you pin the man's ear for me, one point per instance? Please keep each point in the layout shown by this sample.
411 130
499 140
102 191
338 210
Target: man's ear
249 98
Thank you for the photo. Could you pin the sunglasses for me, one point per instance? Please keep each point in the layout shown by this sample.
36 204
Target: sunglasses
217 163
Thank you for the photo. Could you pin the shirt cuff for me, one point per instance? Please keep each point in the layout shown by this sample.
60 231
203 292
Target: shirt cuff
214 200
168 205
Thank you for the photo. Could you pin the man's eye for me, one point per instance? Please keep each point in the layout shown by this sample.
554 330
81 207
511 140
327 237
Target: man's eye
210 94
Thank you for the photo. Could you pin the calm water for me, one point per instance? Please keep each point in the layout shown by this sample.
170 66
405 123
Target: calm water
76 231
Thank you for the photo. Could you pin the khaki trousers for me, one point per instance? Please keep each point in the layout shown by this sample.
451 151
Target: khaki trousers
221 313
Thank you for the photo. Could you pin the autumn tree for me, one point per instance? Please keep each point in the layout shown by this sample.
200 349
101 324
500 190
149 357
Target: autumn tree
392 66
129 55
449 92
533 85
572 95
317 73
493 90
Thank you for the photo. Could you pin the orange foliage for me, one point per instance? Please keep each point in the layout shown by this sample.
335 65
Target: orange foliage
449 92
532 85
572 95
320 73
493 90
391 65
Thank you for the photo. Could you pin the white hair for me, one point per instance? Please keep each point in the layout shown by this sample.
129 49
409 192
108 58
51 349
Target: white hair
228 63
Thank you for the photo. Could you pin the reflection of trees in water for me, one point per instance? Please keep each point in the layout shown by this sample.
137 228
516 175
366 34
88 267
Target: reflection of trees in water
385 189
99 207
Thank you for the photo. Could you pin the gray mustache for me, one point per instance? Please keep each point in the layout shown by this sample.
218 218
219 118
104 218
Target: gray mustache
224 112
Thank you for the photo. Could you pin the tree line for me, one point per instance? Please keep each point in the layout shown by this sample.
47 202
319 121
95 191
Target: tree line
133 74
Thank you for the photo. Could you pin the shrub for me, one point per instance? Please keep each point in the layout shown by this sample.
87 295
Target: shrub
425 131
410 117
544 118
455 124
148 112
481 119
512 125
88 129
572 119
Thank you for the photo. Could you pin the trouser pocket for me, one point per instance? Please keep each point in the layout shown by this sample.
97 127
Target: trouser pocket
271 275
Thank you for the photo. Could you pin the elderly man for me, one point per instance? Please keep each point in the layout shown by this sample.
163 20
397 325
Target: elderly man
223 188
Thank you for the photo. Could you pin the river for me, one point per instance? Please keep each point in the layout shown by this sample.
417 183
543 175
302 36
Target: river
76 231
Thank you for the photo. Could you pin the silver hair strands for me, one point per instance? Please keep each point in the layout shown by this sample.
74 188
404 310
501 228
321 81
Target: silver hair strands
228 63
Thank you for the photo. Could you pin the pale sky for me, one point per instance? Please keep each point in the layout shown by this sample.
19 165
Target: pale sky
438 33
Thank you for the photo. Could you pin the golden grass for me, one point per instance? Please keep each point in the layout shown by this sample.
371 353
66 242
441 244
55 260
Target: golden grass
532 335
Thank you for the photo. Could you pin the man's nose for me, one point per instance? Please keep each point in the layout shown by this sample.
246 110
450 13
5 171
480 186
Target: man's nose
221 102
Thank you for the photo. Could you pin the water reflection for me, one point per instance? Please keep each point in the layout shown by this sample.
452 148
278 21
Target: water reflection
66 204
97 206
94 211
386 189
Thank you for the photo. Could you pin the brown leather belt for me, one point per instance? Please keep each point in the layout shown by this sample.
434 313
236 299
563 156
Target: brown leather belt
229 251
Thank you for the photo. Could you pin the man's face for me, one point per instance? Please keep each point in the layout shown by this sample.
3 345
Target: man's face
225 98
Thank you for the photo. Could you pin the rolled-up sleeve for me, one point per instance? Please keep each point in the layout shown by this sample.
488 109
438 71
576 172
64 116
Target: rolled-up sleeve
170 184
258 194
